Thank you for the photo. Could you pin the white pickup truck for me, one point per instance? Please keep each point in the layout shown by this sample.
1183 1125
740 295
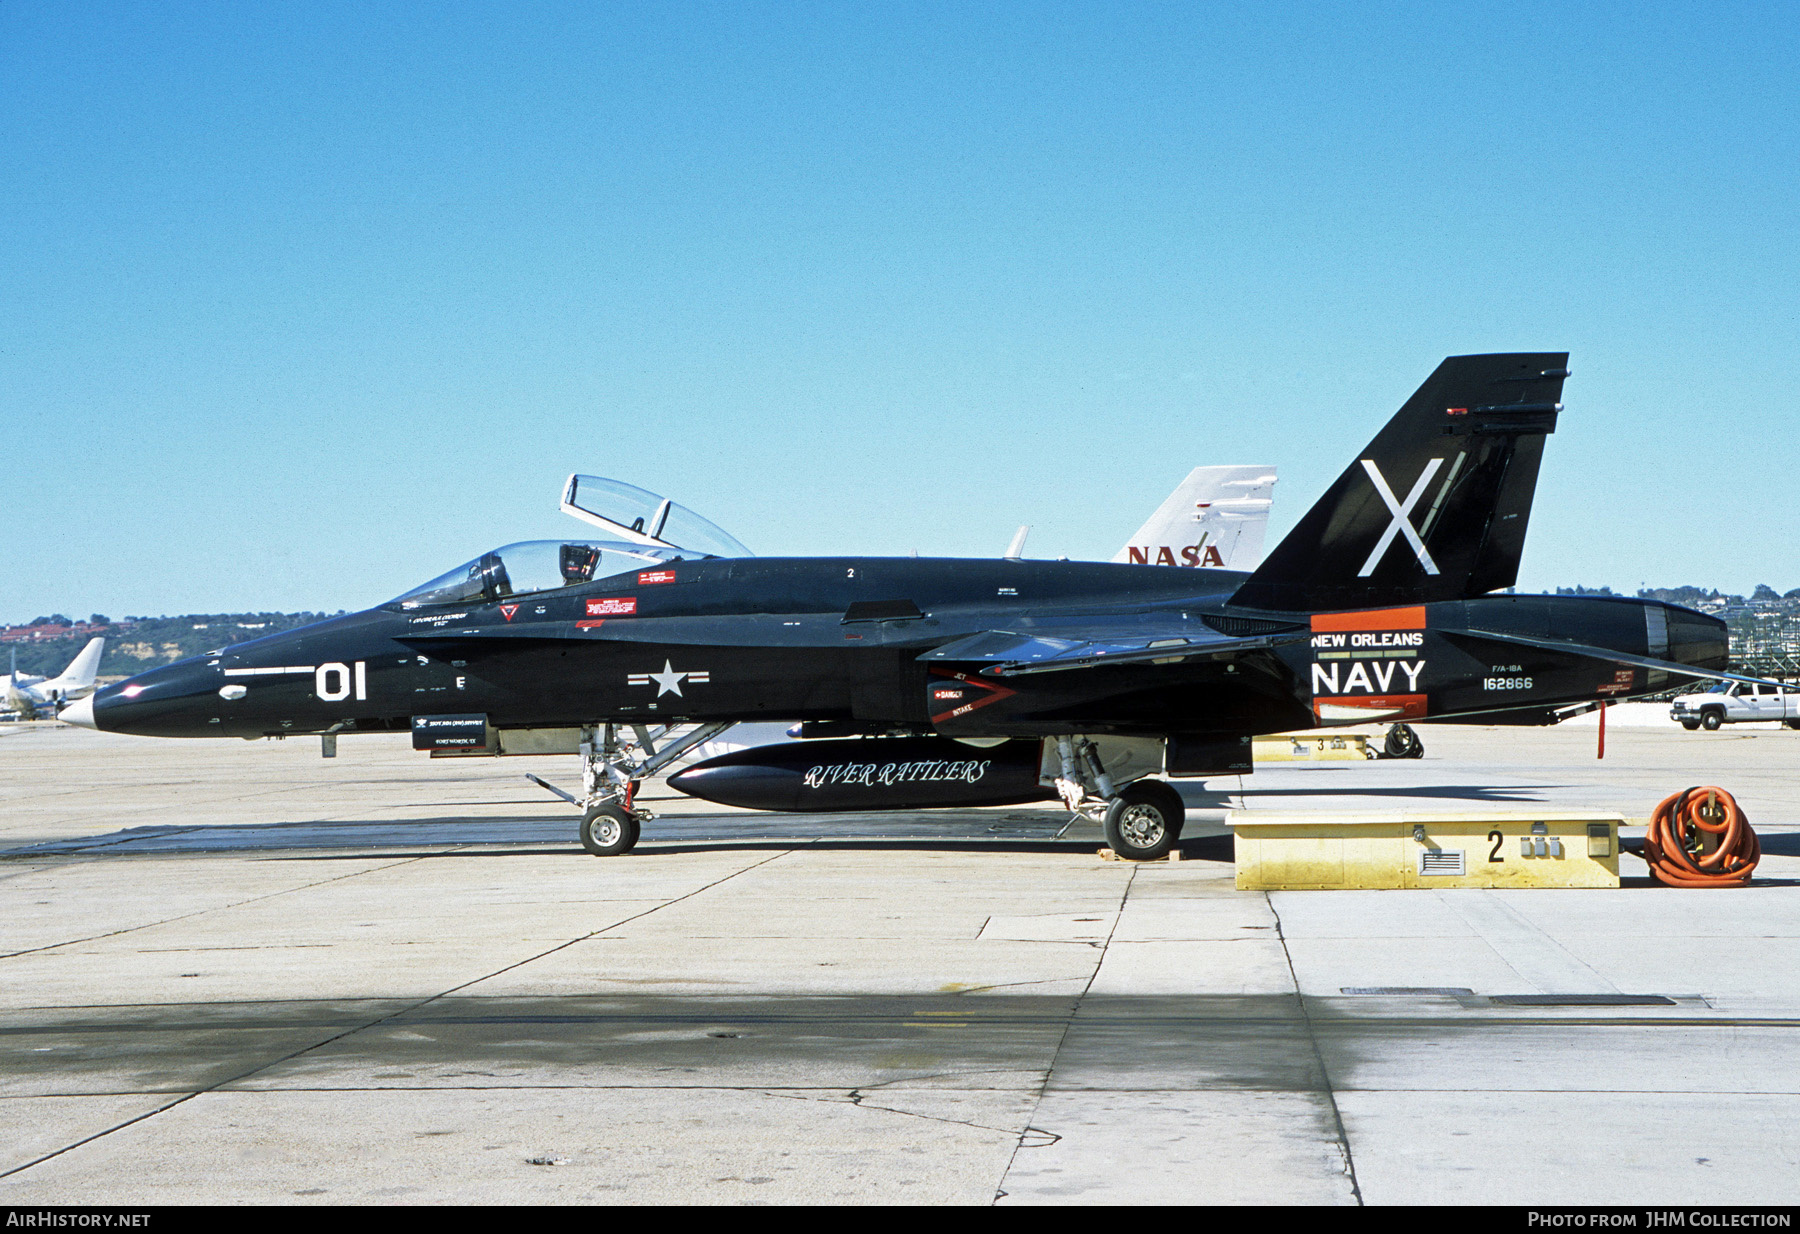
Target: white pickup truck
1736 702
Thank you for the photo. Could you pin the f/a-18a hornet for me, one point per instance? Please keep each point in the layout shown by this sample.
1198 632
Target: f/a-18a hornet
948 681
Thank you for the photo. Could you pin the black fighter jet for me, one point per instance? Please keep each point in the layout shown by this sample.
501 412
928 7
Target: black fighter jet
941 681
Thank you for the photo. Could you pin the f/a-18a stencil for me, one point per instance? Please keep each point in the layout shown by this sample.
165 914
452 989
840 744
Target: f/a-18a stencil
927 676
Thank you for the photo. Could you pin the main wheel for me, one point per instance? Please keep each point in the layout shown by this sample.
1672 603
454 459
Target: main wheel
608 831
1690 725
1144 820
1711 721
1792 723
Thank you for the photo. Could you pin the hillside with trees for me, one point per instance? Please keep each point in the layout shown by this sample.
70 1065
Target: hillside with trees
45 646
1764 626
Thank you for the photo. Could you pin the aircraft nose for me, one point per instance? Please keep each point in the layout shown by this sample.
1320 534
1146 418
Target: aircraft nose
175 700
80 712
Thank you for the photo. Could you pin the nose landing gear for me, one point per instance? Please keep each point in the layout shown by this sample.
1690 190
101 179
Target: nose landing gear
611 770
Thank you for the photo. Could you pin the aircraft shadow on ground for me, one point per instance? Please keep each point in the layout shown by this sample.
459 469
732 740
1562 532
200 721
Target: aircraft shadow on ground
1528 793
539 837
1192 850
520 836
853 1040
1205 848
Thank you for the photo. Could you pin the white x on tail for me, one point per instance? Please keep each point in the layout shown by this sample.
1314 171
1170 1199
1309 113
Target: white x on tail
1401 525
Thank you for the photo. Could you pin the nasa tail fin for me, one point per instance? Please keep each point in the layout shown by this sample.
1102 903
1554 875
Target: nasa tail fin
78 678
1435 508
1216 517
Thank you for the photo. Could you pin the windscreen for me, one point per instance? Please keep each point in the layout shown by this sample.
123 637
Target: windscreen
531 566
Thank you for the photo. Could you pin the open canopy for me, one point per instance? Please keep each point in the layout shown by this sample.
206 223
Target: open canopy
641 527
641 517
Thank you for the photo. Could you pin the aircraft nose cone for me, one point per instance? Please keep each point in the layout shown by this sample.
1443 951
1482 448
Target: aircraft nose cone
80 712
174 700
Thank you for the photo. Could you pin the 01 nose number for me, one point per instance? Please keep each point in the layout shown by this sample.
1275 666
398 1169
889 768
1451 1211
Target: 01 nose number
335 682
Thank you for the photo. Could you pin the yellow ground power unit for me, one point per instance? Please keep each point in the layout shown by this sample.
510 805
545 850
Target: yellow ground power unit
1310 747
1409 849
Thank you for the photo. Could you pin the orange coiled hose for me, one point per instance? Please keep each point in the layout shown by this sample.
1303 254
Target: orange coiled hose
1676 847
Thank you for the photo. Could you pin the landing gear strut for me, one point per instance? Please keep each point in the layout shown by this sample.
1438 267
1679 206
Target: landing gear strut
611 770
1142 820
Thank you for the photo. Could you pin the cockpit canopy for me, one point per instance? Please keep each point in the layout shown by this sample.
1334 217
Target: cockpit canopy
642 528
641 517
535 565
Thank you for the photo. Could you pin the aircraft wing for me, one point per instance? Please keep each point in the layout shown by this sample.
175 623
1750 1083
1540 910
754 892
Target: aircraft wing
1605 653
1008 653
1044 648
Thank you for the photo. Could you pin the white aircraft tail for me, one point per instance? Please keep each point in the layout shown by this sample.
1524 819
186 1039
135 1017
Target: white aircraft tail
78 678
1216 517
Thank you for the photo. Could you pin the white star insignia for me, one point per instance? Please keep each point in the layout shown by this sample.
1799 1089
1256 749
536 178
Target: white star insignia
668 681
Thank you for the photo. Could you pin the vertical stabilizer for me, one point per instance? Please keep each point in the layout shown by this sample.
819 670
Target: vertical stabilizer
1216 517
1435 508
78 678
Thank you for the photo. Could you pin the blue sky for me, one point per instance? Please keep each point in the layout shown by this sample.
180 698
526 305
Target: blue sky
302 305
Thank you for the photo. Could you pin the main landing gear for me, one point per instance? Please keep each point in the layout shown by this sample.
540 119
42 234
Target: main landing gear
1142 820
612 767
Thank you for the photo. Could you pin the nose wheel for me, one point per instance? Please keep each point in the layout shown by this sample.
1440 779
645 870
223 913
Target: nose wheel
609 830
